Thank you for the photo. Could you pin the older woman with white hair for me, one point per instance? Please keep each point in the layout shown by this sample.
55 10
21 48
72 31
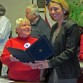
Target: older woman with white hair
16 69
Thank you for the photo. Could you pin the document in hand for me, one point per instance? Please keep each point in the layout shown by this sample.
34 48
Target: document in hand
40 50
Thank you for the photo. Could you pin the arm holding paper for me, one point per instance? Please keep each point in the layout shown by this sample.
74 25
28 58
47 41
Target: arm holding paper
42 51
13 59
40 64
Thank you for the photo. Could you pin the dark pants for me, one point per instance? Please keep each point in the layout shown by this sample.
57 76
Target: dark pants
53 78
0 67
67 81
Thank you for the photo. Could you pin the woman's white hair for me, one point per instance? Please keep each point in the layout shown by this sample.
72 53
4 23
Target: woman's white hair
20 21
34 9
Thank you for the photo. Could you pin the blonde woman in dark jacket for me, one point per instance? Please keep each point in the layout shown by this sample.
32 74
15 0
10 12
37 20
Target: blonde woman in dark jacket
63 67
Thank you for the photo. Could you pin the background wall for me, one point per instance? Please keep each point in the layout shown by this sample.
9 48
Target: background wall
15 9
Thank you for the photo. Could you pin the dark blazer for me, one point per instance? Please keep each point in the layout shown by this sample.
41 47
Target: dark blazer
65 59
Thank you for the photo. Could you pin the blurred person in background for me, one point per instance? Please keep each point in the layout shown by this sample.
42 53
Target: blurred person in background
39 26
81 45
5 32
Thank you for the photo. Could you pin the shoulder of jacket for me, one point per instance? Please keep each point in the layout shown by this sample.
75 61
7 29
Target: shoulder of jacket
70 23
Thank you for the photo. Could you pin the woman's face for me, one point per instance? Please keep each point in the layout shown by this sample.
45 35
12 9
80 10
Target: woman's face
24 29
56 11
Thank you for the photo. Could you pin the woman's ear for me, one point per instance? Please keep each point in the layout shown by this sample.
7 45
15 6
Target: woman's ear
64 11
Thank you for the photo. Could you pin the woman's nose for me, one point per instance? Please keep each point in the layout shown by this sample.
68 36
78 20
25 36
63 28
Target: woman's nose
52 11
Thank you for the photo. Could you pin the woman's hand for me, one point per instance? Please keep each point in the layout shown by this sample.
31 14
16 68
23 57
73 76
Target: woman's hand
13 59
39 65
33 65
42 64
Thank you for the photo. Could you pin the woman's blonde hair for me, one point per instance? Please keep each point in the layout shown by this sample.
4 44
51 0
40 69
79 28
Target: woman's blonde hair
63 4
20 21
